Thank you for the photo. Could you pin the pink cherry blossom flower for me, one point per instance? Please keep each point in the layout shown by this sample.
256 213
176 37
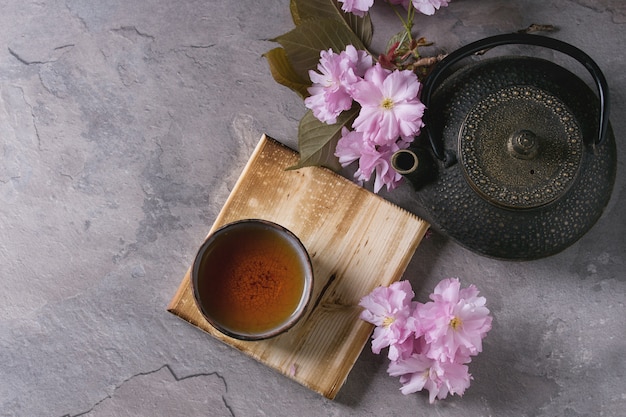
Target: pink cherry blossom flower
377 160
389 308
439 378
431 356
373 160
330 91
349 147
356 7
359 61
429 7
390 107
455 322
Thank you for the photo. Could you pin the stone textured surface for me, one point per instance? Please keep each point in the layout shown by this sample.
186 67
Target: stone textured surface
123 126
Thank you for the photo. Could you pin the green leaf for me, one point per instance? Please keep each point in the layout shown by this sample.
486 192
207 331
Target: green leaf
293 8
320 25
331 9
402 38
317 9
362 27
317 140
304 43
284 74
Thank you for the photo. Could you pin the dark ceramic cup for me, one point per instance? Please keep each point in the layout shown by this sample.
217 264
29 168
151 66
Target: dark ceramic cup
252 279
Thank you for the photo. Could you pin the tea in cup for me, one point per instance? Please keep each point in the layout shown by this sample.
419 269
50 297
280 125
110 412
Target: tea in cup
252 279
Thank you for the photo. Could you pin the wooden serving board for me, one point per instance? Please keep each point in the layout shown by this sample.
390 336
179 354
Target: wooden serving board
356 240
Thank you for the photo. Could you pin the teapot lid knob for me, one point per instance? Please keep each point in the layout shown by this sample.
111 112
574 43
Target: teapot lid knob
523 144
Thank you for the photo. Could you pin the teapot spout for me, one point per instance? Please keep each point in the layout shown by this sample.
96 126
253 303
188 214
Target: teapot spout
414 164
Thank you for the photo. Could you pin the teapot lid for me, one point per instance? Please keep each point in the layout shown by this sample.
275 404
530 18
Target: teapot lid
520 147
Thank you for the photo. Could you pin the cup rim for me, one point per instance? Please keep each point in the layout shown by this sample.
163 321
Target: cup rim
307 290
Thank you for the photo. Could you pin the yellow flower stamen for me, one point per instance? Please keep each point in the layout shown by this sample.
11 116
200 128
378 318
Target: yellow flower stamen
388 321
387 104
456 323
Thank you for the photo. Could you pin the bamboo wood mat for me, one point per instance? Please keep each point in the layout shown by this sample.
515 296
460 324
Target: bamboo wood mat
356 240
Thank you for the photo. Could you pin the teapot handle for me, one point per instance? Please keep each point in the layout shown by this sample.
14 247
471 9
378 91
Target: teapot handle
432 81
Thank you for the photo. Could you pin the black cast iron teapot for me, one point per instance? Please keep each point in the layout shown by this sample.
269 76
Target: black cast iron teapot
517 159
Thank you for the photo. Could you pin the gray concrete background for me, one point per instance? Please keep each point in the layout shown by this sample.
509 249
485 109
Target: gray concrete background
123 127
